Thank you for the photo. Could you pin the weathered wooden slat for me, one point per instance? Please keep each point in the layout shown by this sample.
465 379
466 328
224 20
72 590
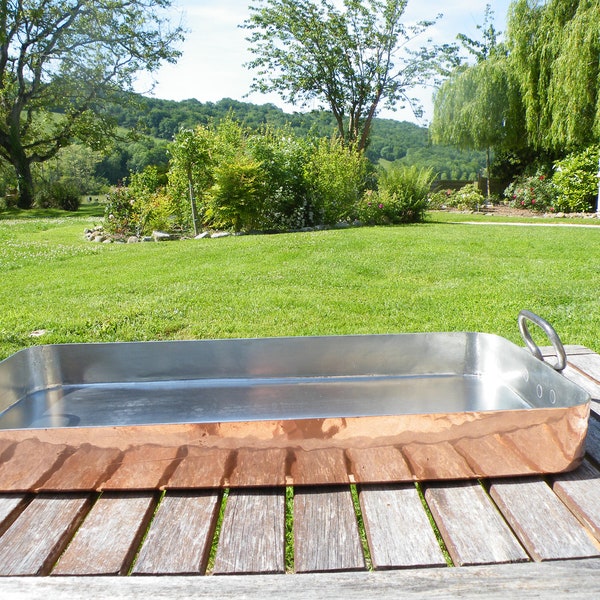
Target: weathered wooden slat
570 349
588 363
585 381
252 536
592 440
9 504
397 527
580 491
35 540
109 537
180 535
574 579
326 536
471 526
547 529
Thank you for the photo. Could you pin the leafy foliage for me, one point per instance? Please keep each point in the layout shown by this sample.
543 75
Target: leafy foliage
401 197
335 177
71 58
235 201
466 198
390 140
64 194
446 162
479 107
122 216
271 179
554 49
352 57
576 179
537 192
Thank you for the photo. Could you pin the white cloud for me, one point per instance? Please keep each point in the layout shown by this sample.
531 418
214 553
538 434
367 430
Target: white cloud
215 49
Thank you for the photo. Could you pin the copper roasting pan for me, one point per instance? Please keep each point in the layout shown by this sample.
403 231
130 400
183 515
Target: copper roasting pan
286 411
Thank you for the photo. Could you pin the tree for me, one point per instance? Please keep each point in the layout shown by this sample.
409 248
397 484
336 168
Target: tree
479 107
554 48
351 60
62 62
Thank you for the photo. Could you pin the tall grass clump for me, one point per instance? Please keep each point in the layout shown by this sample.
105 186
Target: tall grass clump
401 196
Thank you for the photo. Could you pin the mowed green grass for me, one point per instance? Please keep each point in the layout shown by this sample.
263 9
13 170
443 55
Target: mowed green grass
436 276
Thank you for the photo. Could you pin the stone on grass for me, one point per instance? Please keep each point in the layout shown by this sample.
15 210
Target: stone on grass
161 236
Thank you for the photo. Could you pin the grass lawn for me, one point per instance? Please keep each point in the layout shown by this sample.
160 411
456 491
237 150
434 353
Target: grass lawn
436 276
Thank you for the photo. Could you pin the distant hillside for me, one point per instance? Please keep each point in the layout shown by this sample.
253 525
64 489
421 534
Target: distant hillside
390 140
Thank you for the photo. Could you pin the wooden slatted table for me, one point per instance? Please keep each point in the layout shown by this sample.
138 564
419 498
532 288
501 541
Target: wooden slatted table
521 537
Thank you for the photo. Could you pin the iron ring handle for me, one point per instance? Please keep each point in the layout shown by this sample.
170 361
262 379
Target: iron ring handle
561 355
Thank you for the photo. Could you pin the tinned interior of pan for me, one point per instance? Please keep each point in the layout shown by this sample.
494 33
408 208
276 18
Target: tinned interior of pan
212 381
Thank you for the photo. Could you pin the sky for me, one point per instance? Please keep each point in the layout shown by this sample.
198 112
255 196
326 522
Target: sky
215 50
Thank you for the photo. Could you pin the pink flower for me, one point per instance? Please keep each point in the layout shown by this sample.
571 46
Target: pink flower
381 206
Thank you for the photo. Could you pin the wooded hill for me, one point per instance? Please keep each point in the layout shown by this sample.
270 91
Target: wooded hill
391 140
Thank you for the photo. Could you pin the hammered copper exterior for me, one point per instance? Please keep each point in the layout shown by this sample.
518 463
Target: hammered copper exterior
312 450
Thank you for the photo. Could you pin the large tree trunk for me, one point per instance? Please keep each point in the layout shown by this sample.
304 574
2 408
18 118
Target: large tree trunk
22 167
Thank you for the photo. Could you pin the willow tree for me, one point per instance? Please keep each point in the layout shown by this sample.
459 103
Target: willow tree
62 62
554 53
478 107
351 60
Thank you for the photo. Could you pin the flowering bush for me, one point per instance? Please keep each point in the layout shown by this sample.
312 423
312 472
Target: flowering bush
372 209
467 198
536 192
440 199
576 180
122 215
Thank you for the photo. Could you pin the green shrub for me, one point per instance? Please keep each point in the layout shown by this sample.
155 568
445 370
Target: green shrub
235 199
335 178
576 180
282 157
440 199
372 209
64 194
153 206
403 193
121 214
466 198
536 192
144 206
